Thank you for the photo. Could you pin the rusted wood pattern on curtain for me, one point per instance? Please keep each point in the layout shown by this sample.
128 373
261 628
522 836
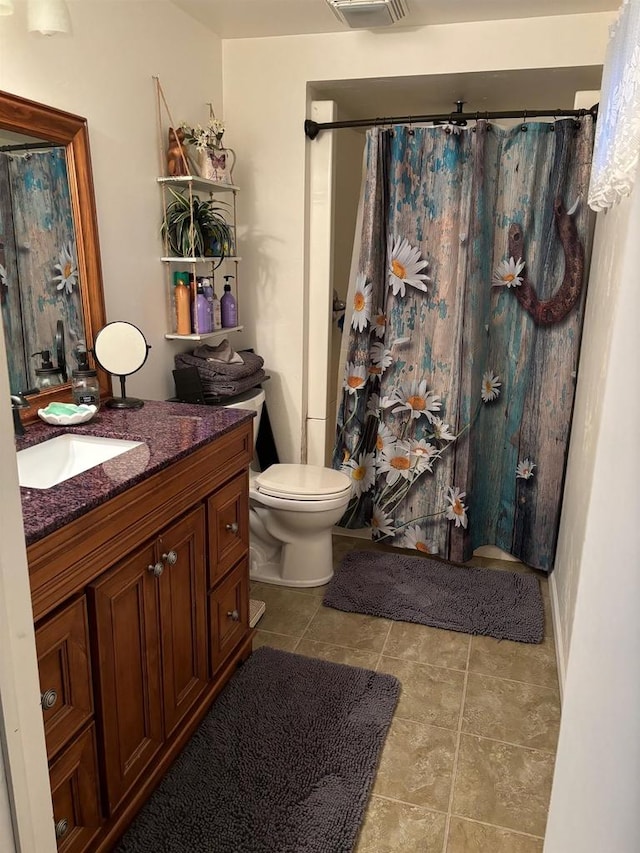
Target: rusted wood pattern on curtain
44 227
9 287
454 196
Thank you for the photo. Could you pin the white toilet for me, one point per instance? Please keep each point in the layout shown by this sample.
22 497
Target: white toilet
292 511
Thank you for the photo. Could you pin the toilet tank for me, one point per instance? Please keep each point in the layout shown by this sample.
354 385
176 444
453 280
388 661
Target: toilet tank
252 400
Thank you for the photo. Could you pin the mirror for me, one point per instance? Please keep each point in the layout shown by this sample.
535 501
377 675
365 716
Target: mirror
50 275
121 349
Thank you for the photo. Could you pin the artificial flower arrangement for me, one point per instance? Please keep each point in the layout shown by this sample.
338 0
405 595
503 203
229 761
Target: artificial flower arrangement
205 138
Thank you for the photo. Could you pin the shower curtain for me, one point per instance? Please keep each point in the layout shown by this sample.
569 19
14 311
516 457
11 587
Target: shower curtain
463 330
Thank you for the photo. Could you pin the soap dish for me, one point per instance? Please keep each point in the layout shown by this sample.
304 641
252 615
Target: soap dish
66 414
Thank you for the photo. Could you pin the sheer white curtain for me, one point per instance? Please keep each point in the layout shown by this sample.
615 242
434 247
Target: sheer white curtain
617 143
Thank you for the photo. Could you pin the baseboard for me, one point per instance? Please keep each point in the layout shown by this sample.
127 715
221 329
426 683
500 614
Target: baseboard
557 632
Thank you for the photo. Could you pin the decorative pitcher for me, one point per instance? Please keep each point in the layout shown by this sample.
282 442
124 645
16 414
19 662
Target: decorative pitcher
216 164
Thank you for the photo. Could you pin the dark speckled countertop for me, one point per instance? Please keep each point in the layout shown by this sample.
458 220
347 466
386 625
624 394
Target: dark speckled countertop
169 431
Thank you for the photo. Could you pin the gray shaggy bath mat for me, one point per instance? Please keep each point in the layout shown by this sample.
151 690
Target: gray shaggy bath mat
283 763
506 605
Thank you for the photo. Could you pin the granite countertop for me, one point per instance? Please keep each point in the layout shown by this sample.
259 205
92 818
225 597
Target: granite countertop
169 431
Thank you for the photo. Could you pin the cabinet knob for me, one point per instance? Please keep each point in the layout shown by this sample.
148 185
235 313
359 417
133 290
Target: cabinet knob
171 558
61 827
48 699
233 614
233 527
156 569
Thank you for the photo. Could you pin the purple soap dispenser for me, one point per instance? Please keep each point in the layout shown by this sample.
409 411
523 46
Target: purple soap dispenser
228 307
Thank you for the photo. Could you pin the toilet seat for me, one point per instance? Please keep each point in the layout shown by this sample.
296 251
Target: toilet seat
302 483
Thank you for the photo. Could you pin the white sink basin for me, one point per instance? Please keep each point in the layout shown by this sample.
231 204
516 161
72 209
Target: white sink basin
58 459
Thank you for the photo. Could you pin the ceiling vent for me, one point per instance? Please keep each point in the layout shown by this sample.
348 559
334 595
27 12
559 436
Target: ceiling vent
367 14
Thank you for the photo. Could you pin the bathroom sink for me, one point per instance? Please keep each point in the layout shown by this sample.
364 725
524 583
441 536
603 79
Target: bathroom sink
58 459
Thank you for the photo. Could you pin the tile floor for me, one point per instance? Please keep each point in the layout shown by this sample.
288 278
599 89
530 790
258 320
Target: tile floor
468 761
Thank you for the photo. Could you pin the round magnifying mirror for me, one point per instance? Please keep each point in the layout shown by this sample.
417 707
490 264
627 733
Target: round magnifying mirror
121 348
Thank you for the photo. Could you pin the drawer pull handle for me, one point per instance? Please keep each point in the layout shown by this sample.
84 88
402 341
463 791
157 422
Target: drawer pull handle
61 827
233 527
233 614
48 699
156 569
171 558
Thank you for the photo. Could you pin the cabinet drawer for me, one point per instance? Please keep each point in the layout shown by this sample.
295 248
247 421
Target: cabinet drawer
65 674
228 519
76 795
229 613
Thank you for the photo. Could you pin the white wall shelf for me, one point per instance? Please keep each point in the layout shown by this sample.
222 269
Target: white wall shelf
219 333
202 260
199 183
185 187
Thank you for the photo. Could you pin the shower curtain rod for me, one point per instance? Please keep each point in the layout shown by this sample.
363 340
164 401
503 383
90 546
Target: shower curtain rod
313 128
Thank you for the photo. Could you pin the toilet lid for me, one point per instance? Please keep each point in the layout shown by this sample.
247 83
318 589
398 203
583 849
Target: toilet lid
302 482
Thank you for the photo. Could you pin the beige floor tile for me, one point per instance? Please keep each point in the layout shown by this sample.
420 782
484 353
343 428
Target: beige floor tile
398 828
276 641
337 654
468 837
534 663
348 629
548 618
430 694
317 591
503 785
417 765
524 714
288 611
428 645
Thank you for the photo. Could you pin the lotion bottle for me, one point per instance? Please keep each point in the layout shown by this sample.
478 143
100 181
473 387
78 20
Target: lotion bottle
228 307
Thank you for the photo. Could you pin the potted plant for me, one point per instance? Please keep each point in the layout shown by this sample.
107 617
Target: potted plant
194 227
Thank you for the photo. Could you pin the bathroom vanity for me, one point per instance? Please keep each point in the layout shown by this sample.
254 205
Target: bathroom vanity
140 588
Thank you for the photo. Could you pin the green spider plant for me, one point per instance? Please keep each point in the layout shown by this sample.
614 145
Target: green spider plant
194 227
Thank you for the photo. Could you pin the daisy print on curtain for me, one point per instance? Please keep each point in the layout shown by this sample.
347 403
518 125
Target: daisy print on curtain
456 401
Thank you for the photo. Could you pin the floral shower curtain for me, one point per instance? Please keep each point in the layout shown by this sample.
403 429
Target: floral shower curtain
464 323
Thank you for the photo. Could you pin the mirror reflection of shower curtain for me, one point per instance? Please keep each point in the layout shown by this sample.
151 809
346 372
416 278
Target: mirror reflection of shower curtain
39 282
464 321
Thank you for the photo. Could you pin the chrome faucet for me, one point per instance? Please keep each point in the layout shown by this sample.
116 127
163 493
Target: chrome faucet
19 401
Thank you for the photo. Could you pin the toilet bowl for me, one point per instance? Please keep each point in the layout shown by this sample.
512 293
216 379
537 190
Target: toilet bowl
292 509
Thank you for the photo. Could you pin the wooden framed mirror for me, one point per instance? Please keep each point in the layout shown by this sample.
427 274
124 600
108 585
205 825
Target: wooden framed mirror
29 129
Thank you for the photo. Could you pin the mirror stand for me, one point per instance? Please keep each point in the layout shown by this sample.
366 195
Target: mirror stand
124 402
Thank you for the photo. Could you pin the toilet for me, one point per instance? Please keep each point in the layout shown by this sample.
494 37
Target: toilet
292 510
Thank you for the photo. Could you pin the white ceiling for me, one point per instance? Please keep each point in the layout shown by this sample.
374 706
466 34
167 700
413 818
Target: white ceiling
257 18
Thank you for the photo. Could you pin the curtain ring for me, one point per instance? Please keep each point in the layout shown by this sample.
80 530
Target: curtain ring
411 130
523 126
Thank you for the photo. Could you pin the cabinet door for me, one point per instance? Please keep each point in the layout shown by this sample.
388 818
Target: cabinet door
228 513
65 674
125 605
183 616
74 792
229 613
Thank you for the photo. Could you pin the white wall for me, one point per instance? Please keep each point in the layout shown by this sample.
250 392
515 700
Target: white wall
606 282
104 72
596 789
266 98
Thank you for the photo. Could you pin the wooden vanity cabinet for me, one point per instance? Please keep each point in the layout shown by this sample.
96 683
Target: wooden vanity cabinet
151 628
150 620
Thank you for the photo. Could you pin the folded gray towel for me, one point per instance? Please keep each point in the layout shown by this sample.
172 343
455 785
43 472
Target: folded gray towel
222 352
228 388
215 370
